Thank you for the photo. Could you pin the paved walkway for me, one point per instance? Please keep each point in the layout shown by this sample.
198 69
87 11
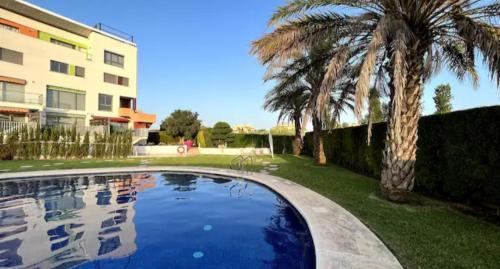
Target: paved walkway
340 239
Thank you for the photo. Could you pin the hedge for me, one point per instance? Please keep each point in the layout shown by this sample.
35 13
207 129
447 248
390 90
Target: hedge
282 144
458 154
63 143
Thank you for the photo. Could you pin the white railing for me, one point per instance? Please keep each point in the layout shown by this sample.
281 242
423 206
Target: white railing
21 97
11 126
100 129
141 132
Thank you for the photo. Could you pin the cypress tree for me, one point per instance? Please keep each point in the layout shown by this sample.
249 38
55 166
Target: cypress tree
31 144
54 143
38 142
84 149
12 145
45 145
76 149
24 149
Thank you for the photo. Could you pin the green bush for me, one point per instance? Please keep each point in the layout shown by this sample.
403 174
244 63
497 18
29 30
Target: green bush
222 134
458 154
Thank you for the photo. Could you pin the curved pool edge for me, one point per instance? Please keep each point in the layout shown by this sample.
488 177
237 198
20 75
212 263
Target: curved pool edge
340 239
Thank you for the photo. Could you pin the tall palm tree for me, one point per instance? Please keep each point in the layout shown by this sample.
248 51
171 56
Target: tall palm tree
290 100
399 44
307 71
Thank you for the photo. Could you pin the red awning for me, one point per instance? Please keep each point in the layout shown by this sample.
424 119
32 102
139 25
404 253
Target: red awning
13 110
13 80
111 119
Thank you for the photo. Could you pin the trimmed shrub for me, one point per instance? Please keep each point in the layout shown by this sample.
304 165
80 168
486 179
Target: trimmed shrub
222 134
458 154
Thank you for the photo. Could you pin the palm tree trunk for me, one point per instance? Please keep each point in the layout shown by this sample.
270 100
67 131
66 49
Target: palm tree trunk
397 177
318 151
297 141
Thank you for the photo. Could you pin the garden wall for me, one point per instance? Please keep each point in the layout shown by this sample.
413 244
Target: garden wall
458 155
282 143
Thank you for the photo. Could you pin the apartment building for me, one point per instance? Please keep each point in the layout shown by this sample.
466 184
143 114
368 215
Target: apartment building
56 71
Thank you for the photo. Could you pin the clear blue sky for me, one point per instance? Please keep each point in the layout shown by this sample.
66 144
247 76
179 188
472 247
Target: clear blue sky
195 55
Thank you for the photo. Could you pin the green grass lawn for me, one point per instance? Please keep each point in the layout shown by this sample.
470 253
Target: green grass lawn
427 235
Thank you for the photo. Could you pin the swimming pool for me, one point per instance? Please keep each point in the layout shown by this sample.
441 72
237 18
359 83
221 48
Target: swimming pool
149 220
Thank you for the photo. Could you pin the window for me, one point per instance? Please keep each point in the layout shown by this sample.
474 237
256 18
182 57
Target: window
79 71
8 27
62 43
110 78
65 99
58 120
113 58
10 92
123 81
11 56
59 67
105 102
114 79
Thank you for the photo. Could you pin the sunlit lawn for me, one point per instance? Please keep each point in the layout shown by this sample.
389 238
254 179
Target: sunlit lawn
428 235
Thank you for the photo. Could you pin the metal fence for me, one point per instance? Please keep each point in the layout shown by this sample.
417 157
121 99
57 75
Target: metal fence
11 126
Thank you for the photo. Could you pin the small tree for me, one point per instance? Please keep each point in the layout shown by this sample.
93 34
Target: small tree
45 145
222 134
11 146
442 99
54 145
84 148
182 123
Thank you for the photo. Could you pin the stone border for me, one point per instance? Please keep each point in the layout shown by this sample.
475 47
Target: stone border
340 239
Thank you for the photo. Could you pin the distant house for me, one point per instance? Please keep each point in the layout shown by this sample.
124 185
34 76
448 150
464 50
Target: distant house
244 129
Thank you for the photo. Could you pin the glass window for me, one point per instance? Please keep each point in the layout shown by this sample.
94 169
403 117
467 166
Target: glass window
59 67
113 58
10 92
56 120
9 27
80 102
123 81
105 102
62 43
109 78
79 71
11 56
52 98
65 100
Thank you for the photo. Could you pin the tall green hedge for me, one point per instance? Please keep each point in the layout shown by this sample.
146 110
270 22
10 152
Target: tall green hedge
458 154
62 143
282 144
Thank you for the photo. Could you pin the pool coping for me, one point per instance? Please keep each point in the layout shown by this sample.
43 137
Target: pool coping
340 239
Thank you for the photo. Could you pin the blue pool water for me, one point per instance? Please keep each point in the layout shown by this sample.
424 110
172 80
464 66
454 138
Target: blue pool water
149 220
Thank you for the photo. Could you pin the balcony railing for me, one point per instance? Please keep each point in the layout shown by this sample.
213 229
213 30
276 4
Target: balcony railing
21 97
136 116
7 127
141 132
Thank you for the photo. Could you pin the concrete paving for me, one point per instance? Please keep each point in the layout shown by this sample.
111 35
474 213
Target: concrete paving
340 239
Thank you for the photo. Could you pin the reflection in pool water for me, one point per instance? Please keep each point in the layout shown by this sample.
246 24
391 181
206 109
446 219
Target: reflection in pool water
146 220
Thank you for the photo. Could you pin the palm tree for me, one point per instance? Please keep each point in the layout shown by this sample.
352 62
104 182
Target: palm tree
306 73
399 44
290 100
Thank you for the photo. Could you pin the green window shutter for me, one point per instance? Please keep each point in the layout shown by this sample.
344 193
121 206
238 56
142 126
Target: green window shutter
72 70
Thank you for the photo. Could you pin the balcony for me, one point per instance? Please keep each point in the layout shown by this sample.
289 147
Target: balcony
137 116
21 97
